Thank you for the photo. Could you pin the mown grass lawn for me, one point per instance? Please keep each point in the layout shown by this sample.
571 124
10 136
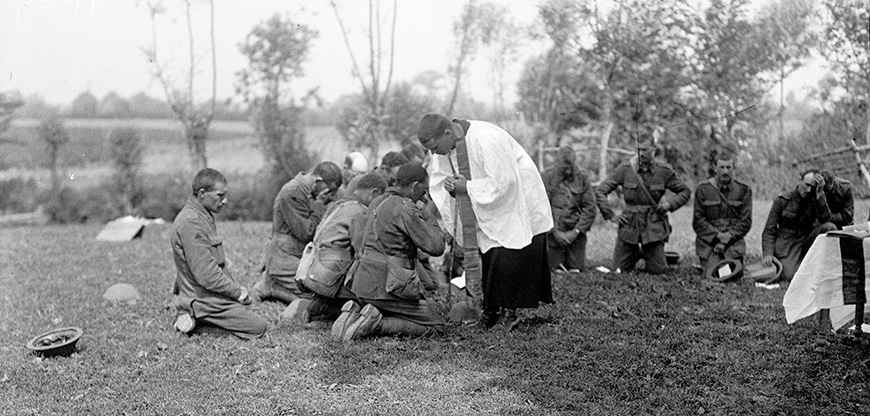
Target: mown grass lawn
611 344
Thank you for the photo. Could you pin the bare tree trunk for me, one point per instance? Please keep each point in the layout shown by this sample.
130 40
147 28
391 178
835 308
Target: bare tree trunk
196 135
602 152
55 177
781 104
868 121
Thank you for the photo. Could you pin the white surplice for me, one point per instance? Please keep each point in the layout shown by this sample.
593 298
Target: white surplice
506 190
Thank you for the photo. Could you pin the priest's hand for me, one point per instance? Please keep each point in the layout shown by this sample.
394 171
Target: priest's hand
460 185
767 261
724 237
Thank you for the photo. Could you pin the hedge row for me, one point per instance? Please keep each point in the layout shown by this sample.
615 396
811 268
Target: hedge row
158 196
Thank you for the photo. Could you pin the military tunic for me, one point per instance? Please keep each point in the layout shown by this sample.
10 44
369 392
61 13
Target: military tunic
204 287
295 216
646 231
841 202
573 204
793 224
713 215
397 232
334 256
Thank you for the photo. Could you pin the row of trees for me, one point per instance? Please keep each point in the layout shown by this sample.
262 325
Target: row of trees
696 78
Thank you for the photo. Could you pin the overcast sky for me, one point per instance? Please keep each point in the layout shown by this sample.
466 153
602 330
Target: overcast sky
59 48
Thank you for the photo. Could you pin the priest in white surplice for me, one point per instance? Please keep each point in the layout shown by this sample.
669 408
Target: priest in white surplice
500 191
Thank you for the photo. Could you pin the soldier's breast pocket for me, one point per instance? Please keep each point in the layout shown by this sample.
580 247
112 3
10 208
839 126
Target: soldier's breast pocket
711 207
217 249
657 190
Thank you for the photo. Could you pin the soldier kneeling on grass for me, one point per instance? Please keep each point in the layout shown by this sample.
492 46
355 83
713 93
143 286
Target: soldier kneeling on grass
207 297
334 253
722 216
384 276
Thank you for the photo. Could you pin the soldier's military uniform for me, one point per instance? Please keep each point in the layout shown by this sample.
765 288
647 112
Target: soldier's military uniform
841 202
573 203
647 230
714 214
793 224
295 216
395 234
204 287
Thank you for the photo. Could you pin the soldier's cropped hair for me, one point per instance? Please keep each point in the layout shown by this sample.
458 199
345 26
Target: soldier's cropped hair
393 159
724 154
409 173
413 150
372 181
328 171
206 180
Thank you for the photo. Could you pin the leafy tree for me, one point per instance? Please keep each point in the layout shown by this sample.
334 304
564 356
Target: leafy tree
53 134
785 26
127 152
9 102
276 49
847 48
84 106
403 108
143 105
113 106
367 128
194 118
480 24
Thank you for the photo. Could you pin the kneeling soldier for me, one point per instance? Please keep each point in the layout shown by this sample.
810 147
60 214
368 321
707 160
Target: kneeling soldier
722 216
383 275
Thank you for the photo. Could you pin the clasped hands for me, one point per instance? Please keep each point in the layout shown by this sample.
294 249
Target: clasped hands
456 185
564 238
621 219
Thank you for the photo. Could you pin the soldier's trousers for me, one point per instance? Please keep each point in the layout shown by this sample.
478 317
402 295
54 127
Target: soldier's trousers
326 308
791 247
572 256
409 318
222 314
626 256
280 287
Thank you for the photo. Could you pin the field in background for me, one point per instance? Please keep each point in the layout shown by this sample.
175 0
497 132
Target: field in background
231 148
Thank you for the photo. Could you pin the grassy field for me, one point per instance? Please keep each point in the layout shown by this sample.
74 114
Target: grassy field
232 148
630 344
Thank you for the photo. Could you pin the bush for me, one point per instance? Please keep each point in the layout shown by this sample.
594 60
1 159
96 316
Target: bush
127 150
18 195
71 206
163 196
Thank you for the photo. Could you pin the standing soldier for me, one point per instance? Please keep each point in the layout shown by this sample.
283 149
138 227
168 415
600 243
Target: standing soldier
722 216
838 193
643 225
573 205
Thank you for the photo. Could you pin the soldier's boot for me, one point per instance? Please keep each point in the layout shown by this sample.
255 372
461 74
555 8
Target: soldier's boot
398 326
185 323
297 311
268 289
367 324
349 314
